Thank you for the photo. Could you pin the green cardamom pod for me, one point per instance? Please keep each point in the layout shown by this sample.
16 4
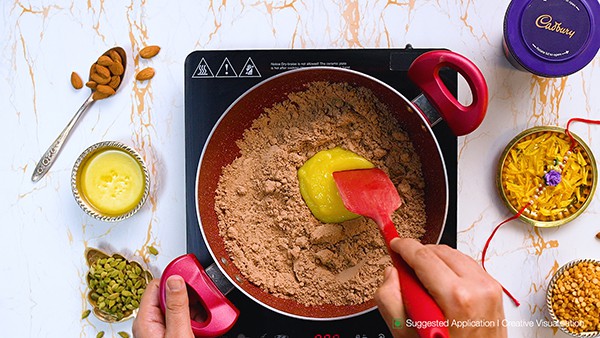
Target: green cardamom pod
153 250
86 314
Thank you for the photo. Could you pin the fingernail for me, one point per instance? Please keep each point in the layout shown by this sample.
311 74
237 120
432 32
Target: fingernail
175 283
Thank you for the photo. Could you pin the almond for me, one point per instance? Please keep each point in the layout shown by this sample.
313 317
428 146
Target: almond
91 84
115 56
105 61
145 74
104 89
99 96
99 79
116 68
149 52
114 82
103 71
76 81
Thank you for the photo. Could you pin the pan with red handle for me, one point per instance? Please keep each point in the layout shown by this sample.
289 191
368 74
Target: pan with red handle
415 118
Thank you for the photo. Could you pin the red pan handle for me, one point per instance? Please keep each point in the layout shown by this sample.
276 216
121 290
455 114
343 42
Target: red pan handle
424 72
222 315
417 301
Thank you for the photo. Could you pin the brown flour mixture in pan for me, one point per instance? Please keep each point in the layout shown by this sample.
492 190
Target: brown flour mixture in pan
269 231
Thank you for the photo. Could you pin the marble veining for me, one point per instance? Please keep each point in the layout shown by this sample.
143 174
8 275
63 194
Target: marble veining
43 233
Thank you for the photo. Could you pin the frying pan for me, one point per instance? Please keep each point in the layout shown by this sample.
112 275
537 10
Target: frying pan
221 149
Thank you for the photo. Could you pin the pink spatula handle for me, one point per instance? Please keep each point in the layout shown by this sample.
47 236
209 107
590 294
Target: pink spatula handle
418 303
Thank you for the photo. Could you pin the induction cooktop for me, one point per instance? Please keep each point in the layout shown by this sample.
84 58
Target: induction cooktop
214 79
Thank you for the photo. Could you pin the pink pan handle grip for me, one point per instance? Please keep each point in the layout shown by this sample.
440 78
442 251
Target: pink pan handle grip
222 315
419 304
424 72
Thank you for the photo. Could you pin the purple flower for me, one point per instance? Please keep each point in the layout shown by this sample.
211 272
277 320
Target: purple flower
552 178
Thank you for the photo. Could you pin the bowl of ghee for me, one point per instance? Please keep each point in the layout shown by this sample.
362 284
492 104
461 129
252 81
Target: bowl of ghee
110 181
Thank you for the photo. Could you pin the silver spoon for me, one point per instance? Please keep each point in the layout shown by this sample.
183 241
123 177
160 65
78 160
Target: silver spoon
50 155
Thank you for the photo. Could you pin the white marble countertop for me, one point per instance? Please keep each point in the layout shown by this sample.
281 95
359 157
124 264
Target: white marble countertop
43 232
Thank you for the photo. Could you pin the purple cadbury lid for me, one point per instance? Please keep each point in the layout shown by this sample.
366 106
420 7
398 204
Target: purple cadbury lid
552 37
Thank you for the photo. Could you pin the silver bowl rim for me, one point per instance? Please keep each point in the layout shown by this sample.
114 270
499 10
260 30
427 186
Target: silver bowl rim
83 158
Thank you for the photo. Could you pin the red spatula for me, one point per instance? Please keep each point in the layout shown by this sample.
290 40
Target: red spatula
371 193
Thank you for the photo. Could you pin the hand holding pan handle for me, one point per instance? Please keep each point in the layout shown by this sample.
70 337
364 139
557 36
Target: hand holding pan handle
222 315
424 72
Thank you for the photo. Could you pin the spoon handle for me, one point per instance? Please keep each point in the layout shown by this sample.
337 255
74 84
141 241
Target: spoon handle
50 155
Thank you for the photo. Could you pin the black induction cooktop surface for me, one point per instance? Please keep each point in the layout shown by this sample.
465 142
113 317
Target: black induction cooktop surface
216 78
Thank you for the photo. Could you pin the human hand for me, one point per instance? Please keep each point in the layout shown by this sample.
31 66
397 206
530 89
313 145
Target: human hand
463 290
175 323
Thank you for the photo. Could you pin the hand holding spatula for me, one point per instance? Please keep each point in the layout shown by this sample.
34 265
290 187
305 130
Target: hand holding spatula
371 193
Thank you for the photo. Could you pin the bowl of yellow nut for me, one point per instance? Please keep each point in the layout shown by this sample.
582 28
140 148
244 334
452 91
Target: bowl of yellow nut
573 298
115 285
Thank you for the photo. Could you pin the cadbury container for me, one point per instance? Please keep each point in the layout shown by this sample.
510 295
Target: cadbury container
551 38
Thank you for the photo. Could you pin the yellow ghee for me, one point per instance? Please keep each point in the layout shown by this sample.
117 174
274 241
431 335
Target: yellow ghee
112 182
318 188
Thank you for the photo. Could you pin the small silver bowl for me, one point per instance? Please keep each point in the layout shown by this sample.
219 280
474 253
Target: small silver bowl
550 292
79 194
91 256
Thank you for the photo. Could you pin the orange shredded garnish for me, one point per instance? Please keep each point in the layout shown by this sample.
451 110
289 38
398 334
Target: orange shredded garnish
526 164
523 163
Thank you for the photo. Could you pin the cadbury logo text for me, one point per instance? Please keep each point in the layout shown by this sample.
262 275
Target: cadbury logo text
545 22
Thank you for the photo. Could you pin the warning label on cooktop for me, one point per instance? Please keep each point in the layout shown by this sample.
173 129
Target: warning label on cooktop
249 69
226 69
294 65
203 70
234 68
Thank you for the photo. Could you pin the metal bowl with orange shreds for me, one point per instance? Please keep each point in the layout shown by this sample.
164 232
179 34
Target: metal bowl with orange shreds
546 176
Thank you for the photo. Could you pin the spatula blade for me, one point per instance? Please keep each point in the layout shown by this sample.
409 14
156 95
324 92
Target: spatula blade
367 192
